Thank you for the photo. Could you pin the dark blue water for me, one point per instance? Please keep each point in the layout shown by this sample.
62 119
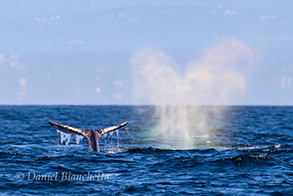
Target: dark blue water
247 152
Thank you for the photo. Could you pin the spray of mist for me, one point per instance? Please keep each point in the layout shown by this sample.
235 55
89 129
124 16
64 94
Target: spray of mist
216 77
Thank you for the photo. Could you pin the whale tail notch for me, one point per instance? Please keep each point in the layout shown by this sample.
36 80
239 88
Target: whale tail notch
92 135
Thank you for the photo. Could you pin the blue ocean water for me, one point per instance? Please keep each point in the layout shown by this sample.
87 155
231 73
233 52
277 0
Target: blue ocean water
248 152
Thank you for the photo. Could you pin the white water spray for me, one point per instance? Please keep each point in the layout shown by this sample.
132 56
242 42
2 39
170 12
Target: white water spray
66 137
216 78
78 138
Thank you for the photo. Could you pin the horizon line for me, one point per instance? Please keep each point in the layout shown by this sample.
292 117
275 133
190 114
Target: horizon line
224 105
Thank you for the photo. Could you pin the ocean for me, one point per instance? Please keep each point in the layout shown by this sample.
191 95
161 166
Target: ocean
247 151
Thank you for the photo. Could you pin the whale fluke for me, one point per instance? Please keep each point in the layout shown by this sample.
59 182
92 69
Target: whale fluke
91 135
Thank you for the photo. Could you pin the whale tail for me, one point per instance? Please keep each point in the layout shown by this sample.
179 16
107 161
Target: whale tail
92 135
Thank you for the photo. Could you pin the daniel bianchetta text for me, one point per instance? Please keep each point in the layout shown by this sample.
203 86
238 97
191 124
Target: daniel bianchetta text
63 176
